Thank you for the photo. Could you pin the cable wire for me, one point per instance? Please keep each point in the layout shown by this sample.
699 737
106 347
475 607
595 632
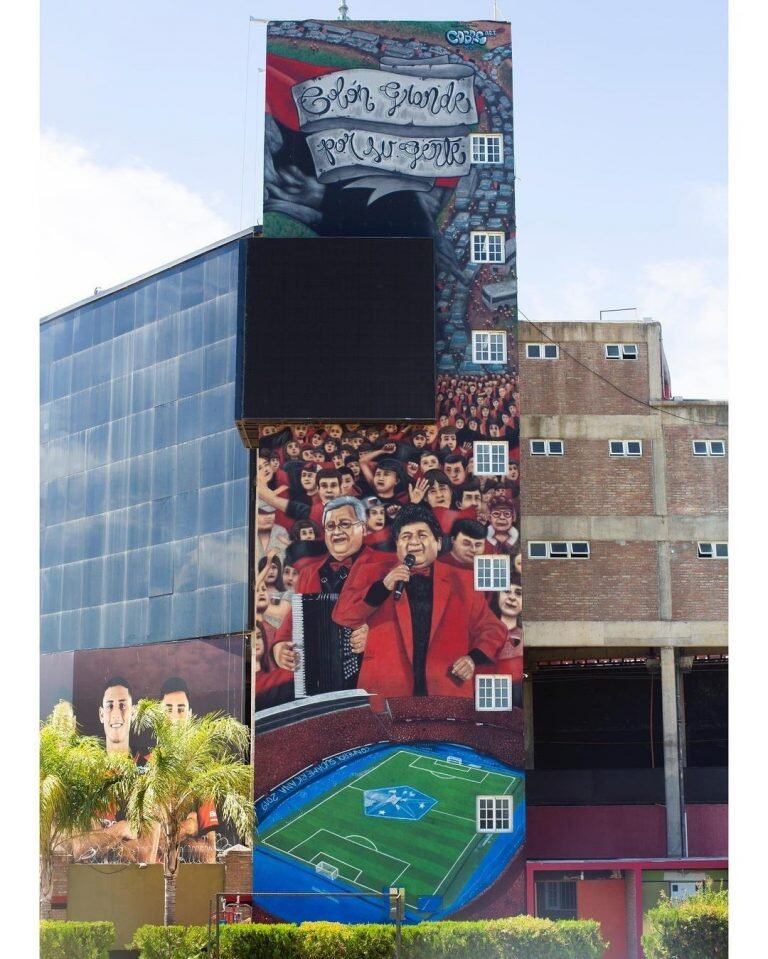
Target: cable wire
629 396
245 123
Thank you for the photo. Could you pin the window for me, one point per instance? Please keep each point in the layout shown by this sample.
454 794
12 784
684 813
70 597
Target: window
625 447
621 351
493 693
487 247
713 550
489 347
542 351
492 572
558 549
547 447
490 458
494 814
487 147
556 899
709 448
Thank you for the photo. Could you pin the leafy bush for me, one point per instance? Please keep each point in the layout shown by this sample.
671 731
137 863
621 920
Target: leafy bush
522 937
696 928
75 940
169 942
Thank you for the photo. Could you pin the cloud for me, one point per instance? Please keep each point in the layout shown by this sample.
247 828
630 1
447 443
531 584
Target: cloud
688 296
102 224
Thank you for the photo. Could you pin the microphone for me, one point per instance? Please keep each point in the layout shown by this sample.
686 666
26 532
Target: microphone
410 560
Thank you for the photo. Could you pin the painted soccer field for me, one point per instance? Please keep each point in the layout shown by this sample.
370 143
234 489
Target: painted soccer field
407 820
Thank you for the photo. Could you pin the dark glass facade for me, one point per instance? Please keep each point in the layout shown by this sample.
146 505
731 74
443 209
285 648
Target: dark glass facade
144 479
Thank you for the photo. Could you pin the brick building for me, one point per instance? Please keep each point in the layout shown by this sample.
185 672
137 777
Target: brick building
624 530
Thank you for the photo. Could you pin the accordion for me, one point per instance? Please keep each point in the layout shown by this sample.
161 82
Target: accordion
326 661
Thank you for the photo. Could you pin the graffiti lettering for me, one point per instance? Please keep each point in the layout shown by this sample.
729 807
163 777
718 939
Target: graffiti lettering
384 97
419 156
435 100
317 100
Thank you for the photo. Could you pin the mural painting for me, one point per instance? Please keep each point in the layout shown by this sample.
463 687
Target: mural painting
102 688
387 679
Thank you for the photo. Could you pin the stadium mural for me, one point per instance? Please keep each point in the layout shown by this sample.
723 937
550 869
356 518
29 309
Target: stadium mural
102 686
373 622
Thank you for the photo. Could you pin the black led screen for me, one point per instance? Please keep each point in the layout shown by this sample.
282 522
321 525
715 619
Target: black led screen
339 329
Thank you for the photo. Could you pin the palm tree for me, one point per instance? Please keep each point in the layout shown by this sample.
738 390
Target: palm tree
78 780
196 761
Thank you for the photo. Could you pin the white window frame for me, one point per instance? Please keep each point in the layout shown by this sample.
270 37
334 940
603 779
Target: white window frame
626 351
536 351
712 550
566 552
625 451
708 450
497 256
497 806
548 448
478 456
498 570
498 692
478 148
485 342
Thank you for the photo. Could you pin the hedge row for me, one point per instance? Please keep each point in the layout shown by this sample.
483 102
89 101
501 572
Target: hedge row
696 928
522 937
75 940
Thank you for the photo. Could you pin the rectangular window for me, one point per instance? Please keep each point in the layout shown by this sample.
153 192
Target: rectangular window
709 448
487 247
542 351
490 458
489 347
487 147
492 572
494 814
621 351
558 549
547 448
625 447
493 693
712 550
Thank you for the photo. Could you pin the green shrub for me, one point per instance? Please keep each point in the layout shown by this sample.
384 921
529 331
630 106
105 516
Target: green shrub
696 928
75 940
169 942
521 937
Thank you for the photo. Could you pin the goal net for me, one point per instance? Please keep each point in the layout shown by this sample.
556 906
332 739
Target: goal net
326 869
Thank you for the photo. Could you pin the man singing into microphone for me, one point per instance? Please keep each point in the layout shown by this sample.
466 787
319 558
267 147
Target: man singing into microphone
431 639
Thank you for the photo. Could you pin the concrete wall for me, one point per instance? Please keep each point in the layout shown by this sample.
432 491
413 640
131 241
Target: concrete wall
132 896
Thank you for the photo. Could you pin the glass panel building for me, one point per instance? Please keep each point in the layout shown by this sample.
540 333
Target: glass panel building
144 479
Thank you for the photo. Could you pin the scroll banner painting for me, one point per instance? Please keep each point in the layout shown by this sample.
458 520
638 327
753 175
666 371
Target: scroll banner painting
387 654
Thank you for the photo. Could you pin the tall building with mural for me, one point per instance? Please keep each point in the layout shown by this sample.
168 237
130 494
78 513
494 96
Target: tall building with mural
282 477
387 665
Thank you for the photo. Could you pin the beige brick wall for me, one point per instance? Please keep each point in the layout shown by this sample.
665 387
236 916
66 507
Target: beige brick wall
586 480
618 582
563 386
699 586
695 484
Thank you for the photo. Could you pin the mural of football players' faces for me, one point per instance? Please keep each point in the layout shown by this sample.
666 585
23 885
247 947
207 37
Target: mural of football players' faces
115 714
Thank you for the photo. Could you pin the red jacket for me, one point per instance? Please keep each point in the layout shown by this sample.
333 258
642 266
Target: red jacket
308 581
461 622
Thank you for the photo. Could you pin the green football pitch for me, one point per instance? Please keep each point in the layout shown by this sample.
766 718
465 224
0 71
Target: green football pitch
431 856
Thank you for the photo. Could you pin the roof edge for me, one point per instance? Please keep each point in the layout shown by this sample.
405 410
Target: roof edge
249 231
